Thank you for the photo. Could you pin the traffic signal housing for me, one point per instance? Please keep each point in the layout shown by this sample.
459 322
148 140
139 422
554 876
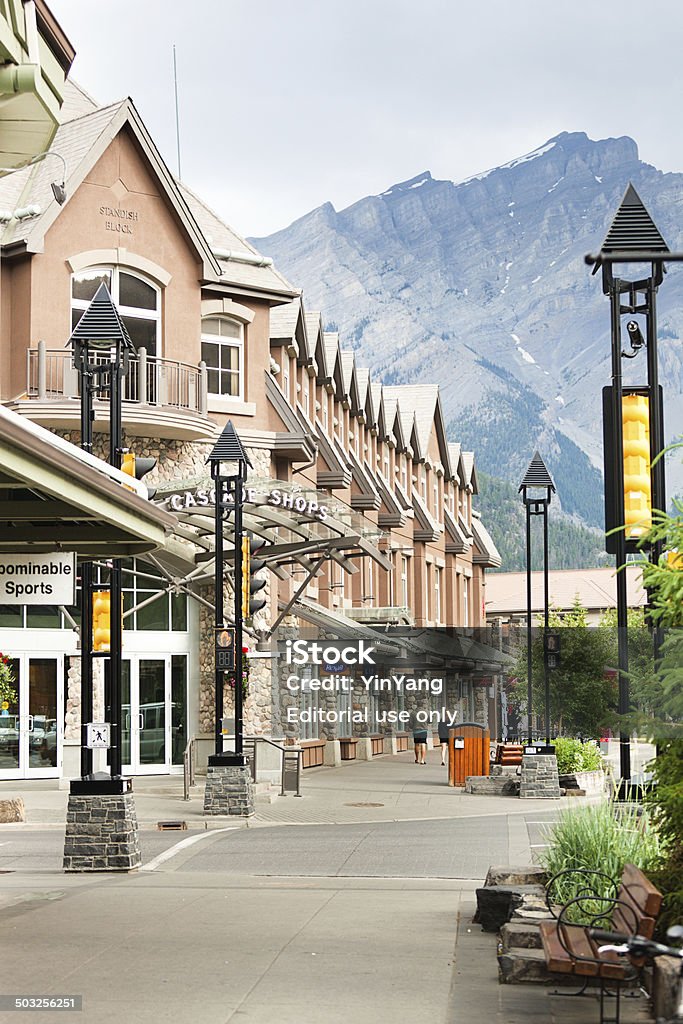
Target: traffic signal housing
138 466
101 620
643 484
635 418
250 566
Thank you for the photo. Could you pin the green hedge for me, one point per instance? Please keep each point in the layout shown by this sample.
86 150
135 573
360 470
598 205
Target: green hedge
576 756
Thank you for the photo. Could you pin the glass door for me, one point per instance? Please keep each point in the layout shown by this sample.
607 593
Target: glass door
32 727
146 719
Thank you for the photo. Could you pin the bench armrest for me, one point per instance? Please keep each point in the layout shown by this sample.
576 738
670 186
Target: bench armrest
577 883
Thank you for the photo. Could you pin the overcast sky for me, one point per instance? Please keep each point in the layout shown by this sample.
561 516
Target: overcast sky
286 104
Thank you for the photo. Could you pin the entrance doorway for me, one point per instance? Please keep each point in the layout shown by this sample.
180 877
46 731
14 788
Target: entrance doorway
154 713
32 726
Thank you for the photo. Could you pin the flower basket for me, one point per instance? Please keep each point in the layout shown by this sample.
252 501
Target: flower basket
232 676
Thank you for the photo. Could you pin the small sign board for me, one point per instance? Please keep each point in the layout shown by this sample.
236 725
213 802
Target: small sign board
38 579
459 743
98 736
225 648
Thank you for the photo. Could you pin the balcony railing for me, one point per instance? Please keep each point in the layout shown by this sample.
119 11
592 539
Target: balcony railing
150 381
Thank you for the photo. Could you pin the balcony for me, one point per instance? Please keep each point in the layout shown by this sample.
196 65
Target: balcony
162 398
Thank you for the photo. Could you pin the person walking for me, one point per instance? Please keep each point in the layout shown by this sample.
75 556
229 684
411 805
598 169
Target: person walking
443 737
419 738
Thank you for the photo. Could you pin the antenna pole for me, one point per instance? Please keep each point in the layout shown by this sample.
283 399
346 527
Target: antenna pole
177 119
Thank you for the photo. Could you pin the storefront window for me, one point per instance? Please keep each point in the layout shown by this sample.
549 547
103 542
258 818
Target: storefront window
146 590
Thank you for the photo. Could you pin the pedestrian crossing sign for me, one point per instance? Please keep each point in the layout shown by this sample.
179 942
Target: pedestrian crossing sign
98 735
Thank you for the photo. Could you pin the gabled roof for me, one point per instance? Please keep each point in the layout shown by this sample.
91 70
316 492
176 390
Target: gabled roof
378 406
350 383
485 551
392 415
422 402
470 472
82 138
256 271
457 462
288 325
81 142
331 343
316 344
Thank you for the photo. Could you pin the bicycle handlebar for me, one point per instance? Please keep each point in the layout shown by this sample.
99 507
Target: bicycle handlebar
637 944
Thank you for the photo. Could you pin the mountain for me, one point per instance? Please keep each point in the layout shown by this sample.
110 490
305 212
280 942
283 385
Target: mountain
570 545
481 285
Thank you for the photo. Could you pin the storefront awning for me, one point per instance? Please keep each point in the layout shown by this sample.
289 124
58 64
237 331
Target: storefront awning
300 527
56 497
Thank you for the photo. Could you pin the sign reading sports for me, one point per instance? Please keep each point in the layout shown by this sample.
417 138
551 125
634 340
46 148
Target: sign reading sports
38 579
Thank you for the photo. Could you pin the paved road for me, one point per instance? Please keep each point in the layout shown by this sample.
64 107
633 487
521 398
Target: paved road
446 848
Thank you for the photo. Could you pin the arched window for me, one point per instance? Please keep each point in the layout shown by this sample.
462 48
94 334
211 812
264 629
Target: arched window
137 300
223 353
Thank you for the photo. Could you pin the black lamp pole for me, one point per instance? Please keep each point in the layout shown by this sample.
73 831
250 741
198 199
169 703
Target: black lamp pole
633 237
229 496
537 478
101 347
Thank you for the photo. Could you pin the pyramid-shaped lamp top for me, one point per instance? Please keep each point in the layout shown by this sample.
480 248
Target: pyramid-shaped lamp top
229 448
633 229
101 325
537 475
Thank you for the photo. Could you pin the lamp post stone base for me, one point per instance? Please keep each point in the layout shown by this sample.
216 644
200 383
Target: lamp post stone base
101 833
540 779
229 790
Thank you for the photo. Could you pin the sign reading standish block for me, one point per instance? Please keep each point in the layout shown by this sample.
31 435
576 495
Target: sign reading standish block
38 579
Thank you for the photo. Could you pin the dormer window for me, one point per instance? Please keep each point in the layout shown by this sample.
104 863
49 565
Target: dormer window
223 353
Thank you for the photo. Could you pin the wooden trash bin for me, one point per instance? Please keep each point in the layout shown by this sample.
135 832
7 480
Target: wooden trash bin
468 752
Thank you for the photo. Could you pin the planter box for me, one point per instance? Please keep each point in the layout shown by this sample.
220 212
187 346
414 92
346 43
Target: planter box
402 743
348 749
377 745
592 783
313 753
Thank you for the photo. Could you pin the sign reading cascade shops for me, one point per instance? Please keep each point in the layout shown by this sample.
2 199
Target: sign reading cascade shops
38 579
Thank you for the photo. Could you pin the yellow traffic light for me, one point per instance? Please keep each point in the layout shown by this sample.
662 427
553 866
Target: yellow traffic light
635 415
246 575
101 621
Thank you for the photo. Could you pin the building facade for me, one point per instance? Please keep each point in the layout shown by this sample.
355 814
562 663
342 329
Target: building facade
364 506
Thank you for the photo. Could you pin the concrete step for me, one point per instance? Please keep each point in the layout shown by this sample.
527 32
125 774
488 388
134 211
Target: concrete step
522 966
519 935
487 785
265 793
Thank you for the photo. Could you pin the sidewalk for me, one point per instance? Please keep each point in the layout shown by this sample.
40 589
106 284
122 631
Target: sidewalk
345 915
388 788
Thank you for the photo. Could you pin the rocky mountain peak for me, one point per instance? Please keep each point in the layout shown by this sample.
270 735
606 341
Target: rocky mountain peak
481 285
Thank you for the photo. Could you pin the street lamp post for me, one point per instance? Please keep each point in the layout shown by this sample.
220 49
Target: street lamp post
229 787
101 349
101 823
228 452
537 487
632 238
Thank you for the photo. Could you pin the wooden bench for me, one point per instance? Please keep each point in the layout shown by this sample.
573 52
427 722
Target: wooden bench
631 908
509 753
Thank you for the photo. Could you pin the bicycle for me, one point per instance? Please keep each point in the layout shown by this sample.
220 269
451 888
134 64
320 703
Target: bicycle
637 946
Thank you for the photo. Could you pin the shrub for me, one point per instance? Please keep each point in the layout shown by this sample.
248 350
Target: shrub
666 802
599 837
576 756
